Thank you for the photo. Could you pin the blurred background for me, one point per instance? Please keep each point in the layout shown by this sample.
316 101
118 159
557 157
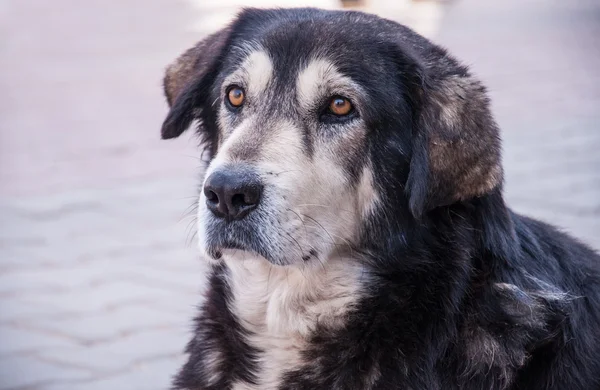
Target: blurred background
98 272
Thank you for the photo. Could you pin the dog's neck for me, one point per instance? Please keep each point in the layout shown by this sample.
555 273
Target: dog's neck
291 301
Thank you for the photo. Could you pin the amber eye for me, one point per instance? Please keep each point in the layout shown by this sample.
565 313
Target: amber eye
236 96
340 106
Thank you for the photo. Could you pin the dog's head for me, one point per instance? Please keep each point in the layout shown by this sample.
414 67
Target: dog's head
320 124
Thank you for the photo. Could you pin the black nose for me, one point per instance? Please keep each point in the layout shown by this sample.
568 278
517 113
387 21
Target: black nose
232 194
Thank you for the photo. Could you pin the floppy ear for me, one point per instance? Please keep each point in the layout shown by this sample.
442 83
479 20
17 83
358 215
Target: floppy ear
456 145
188 80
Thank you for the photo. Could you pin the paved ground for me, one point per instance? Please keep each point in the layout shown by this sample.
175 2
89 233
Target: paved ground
98 279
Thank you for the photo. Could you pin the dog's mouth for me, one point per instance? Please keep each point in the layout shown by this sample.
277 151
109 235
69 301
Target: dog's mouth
224 238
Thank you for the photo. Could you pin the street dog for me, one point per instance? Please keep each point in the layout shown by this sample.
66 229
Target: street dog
351 211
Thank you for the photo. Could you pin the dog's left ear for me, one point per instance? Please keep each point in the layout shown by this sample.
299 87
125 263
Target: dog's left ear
456 143
188 80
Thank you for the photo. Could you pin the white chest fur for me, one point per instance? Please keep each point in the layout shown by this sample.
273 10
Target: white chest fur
281 306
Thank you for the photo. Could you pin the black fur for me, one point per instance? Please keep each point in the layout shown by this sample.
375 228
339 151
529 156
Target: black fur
465 294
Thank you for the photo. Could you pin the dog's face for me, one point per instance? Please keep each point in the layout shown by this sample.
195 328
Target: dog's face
319 125
291 141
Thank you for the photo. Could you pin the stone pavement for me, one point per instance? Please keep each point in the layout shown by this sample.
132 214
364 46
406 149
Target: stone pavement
98 273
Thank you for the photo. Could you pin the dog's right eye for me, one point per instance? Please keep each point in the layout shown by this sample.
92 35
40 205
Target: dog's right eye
235 96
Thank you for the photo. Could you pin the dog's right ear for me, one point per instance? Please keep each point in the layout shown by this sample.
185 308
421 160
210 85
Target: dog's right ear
188 81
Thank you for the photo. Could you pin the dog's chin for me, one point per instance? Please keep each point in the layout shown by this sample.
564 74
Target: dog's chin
235 249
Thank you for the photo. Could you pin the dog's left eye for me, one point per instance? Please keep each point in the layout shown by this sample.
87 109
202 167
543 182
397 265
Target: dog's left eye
340 106
338 109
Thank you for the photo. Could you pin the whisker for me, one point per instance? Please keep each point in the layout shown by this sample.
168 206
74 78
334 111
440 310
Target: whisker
191 239
300 219
324 206
198 158
331 236
321 262
289 170
190 226
190 210
297 243
269 277
306 233
319 224
348 244
327 232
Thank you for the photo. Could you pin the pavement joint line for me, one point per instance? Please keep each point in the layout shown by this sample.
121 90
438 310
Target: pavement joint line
124 333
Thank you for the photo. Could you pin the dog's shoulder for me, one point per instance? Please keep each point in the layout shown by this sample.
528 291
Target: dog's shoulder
528 323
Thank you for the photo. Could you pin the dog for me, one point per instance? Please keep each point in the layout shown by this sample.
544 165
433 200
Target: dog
351 211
